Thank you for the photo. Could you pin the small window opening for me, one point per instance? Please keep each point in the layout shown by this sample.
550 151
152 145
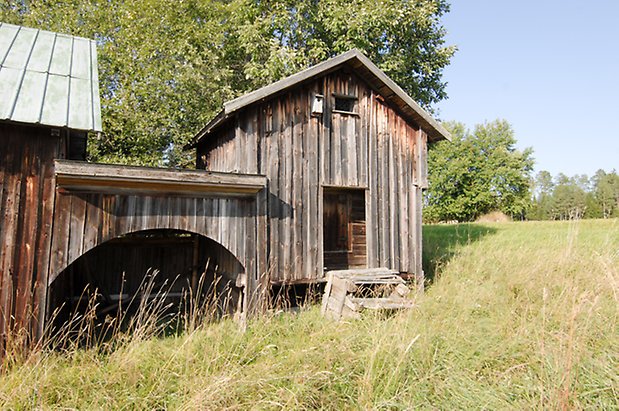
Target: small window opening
344 103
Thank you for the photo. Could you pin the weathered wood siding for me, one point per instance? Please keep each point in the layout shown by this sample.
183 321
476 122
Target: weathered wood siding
44 227
373 149
84 220
27 190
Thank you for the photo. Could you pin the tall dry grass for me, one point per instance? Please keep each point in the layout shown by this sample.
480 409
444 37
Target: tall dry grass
517 316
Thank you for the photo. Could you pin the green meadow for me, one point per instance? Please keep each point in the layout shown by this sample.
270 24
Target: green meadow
515 316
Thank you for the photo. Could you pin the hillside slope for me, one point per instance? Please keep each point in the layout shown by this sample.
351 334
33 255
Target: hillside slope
517 315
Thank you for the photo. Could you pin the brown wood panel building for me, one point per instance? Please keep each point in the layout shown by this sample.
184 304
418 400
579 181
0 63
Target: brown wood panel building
345 153
322 170
61 217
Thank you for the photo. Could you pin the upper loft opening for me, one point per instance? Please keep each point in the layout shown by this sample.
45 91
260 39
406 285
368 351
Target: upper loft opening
345 104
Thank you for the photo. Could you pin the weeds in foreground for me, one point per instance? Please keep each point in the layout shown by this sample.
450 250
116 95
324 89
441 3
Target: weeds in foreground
524 316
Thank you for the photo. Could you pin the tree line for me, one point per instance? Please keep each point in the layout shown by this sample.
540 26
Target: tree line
482 171
166 69
580 196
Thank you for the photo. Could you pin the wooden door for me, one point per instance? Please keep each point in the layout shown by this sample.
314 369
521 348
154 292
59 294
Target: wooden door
344 229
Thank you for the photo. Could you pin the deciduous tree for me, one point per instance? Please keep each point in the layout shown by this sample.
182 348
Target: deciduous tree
165 68
478 172
579 196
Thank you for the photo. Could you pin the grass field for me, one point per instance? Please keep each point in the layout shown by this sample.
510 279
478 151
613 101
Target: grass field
516 316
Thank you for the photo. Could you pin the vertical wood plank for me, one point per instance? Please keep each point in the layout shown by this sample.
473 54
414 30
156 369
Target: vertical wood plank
402 197
372 193
423 159
297 179
364 135
261 283
44 238
76 228
383 155
274 162
60 236
392 192
419 276
285 223
25 236
93 215
9 214
325 136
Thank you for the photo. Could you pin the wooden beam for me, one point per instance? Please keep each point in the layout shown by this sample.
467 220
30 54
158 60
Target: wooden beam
82 176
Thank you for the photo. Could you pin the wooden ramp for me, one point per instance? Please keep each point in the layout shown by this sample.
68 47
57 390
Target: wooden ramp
348 292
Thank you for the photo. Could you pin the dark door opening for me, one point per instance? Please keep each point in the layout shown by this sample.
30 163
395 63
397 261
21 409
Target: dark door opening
344 229
172 274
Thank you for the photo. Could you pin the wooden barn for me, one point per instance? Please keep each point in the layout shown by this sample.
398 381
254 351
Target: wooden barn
344 150
323 170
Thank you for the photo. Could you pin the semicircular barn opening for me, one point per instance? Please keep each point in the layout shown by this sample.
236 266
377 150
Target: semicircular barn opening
177 272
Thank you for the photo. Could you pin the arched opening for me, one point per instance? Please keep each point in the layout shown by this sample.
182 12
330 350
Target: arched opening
170 276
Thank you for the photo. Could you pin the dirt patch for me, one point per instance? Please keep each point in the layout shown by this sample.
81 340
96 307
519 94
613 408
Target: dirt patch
494 217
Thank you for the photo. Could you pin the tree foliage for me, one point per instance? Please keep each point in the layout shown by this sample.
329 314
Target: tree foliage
166 68
478 172
564 198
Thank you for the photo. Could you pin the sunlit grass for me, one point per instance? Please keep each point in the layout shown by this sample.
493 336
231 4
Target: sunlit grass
517 316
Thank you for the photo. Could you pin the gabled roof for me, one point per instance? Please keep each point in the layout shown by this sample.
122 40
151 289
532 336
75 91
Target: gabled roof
48 78
367 70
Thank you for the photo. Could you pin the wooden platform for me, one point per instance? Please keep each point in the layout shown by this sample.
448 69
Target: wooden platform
348 292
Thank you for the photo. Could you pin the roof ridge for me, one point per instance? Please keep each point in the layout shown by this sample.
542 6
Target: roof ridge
45 31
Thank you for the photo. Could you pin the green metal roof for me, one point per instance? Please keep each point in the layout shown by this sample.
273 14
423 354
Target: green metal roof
48 78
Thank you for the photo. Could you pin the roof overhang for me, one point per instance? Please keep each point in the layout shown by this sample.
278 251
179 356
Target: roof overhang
48 79
367 70
90 177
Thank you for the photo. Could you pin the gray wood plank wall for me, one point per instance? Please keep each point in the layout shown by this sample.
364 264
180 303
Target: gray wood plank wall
27 188
374 149
84 220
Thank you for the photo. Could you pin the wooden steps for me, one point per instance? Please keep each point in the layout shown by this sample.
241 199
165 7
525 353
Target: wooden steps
348 292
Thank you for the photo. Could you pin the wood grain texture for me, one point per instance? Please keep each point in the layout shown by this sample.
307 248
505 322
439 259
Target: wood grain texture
352 60
26 198
224 220
378 149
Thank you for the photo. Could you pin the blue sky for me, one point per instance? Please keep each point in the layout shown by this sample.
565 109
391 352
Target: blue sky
550 68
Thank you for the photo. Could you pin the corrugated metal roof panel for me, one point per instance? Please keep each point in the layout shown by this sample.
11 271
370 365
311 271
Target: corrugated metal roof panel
7 35
30 99
42 52
10 81
80 65
61 59
52 113
48 78
94 82
78 102
18 54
